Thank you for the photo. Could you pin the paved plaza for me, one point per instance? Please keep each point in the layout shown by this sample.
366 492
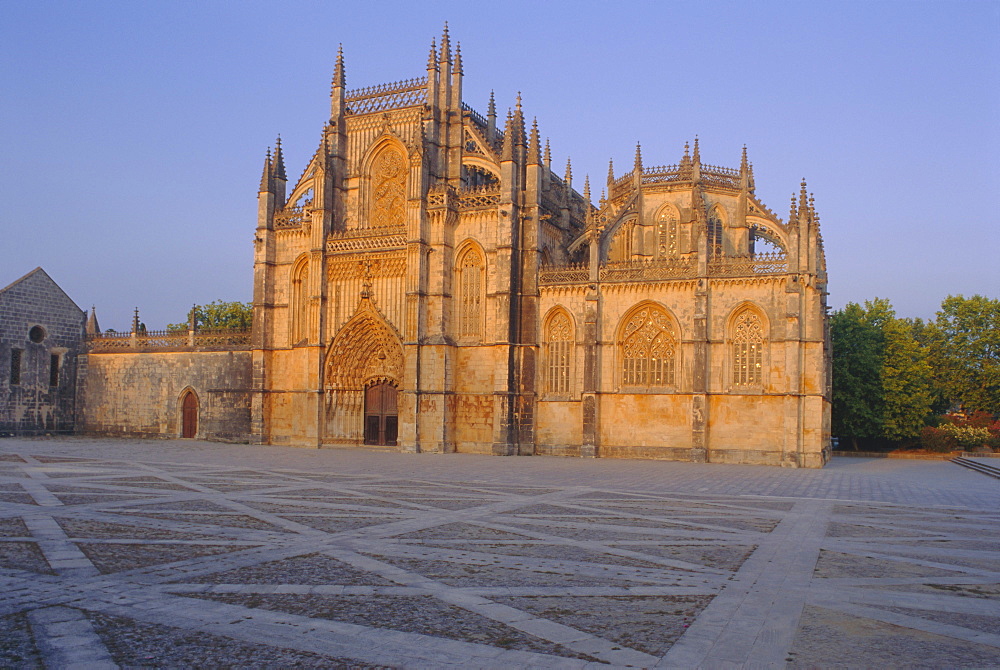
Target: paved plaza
194 554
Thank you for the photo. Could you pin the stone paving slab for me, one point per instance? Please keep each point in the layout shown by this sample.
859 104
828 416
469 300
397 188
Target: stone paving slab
195 554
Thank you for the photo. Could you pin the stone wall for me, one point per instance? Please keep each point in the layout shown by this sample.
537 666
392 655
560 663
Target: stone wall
41 334
140 394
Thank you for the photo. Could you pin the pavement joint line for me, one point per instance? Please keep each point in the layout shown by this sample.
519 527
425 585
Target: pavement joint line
468 504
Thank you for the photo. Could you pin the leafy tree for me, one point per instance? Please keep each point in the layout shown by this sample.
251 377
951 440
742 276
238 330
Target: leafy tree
858 347
964 344
219 315
881 377
906 382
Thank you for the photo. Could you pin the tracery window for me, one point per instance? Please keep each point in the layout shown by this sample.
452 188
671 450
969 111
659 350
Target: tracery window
300 302
648 349
388 183
558 351
666 234
470 294
714 234
621 243
748 349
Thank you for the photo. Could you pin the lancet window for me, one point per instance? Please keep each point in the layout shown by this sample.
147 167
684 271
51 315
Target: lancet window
558 352
470 294
299 302
621 244
666 234
714 234
748 349
388 184
648 349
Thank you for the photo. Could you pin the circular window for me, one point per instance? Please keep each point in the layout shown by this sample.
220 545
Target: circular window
36 334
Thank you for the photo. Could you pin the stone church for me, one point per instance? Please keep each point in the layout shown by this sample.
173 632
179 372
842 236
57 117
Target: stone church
430 283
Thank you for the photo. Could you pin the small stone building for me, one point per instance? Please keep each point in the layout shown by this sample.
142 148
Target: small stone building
41 336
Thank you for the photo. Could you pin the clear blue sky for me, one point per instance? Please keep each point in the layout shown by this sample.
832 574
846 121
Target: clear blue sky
133 133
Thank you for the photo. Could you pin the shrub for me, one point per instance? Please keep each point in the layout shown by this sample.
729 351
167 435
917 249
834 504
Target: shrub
967 437
937 439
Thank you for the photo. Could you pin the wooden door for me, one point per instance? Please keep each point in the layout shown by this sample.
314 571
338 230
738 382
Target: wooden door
381 416
189 415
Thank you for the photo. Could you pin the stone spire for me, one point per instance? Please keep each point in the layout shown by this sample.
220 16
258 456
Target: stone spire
444 58
803 197
547 156
638 158
696 158
569 172
491 119
265 177
519 121
534 144
337 104
586 189
432 56
611 172
93 328
457 67
135 321
339 78
507 151
279 161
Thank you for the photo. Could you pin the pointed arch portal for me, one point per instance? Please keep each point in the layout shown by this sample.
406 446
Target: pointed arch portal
381 414
189 415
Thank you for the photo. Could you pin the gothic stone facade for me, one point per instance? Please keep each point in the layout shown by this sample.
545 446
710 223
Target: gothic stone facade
41 335
430 284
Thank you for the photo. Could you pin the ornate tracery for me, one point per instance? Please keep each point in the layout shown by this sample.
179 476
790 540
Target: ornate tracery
666 233
470 294
558 352
388 184
747 344
648 348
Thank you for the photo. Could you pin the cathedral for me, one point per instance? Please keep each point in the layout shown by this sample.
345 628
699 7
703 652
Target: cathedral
430 283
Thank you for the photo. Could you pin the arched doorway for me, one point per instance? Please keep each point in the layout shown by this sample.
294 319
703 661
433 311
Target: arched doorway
381 416
189 415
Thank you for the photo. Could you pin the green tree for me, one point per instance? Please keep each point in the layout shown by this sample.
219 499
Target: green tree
882 386
858 348
906 382
964 344
219 315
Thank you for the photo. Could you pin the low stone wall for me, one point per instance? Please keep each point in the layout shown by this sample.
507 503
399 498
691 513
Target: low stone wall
140 394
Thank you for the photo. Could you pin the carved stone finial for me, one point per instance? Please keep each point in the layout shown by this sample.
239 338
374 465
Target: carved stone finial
279 161
569 171
507 151
445 55
547 157
339 76
696 157
491 108
638 157
611 171
586 188
534 148
265 177
432 65
457 69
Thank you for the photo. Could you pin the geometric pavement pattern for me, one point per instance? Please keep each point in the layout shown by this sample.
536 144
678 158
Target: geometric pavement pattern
108 562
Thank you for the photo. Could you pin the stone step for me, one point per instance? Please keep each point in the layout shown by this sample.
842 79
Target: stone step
978 466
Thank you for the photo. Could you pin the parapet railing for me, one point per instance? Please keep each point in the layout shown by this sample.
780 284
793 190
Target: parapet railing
220 339
406 93
666 268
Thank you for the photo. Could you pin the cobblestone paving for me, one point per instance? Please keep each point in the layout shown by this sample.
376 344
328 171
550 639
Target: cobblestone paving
191 554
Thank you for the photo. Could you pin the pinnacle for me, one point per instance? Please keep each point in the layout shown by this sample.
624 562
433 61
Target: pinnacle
458 60
338 69
638 156
491 109
432 56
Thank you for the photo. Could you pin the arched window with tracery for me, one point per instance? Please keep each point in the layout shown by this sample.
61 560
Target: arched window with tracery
470 294
715 226
388 188
666 233
621 243
558 352
300 302
747 342
648 348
